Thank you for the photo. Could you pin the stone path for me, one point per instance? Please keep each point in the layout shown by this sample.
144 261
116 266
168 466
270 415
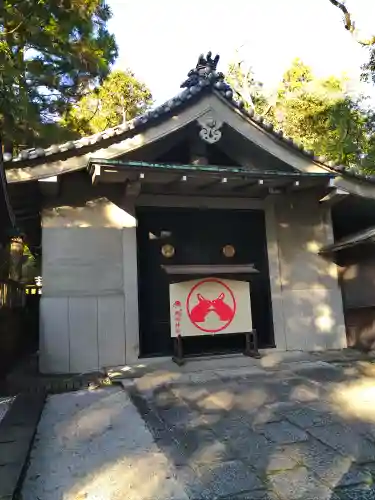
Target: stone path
93 445
234 435
276 435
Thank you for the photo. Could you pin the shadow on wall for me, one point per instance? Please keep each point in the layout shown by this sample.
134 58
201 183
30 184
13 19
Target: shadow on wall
310 292
80 204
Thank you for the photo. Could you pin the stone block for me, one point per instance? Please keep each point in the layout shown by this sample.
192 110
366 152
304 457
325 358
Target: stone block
330 466
299 484
345 441
192 484
283 433
229 478
201 447
306 416
249 444
253 495
9 476
14 453
11 433
356 493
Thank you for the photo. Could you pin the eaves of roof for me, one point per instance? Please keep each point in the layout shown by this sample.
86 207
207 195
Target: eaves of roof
220 169
360 238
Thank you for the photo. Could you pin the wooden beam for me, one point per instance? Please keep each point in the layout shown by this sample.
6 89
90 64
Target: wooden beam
96 174
50 186
244 185
249 187
208 185
334 197
179 180
132 189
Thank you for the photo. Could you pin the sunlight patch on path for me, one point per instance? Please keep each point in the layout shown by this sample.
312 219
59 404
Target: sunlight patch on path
94 445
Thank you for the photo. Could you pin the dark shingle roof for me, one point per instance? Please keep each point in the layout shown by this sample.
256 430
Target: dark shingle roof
202 79
360 238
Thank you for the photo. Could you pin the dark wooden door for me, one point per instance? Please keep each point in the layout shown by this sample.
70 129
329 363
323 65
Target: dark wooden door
198 237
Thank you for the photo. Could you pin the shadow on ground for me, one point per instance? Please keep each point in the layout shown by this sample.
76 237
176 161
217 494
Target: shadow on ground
307 434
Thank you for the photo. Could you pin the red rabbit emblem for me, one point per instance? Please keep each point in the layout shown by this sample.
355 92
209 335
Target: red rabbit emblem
198 307
199 312
222 309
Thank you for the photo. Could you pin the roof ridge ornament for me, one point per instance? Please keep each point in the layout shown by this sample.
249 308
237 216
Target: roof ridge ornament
205 74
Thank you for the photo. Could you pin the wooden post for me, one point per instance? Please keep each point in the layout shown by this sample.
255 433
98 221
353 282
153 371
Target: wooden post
178 354
251 348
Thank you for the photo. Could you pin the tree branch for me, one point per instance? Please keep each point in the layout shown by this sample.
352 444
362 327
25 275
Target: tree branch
350 24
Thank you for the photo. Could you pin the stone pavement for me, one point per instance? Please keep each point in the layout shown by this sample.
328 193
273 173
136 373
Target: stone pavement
93 445
306 431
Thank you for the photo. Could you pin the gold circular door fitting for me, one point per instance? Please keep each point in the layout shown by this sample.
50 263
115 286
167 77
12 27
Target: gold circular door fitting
229 251
168 251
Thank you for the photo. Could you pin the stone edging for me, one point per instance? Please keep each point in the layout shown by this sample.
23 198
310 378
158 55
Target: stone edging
17 432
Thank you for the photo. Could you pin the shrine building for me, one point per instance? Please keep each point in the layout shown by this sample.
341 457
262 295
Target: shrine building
197 187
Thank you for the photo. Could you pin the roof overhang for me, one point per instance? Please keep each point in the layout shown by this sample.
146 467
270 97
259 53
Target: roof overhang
364 237
208 106
200 108
205 179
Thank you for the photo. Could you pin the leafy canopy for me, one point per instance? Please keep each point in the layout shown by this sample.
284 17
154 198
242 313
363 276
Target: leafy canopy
120 98
51 51
321 116
250 91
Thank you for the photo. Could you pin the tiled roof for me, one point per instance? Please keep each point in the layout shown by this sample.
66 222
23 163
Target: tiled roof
204 78
362 237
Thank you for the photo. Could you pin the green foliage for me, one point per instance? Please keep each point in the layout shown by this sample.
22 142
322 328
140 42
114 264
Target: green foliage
322 117
51 51
120 98
368 69
319 114
31 266
246 87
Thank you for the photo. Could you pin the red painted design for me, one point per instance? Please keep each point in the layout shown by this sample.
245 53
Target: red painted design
221 306
177 317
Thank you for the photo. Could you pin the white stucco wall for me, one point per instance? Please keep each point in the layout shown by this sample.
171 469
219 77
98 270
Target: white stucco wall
89 253
306 297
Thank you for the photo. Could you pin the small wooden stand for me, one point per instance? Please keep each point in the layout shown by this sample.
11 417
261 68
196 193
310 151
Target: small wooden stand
251 348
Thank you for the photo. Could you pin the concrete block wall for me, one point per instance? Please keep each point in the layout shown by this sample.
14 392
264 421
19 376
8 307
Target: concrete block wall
306 296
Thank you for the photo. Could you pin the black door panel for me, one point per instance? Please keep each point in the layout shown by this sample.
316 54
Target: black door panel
198 237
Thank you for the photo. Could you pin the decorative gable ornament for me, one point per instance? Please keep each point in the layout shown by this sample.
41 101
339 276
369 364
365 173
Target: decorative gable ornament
210 129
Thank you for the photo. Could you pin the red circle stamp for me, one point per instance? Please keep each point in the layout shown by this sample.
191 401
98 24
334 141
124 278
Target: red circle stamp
211 305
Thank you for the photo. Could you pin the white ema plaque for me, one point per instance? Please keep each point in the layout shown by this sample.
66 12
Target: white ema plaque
209 306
